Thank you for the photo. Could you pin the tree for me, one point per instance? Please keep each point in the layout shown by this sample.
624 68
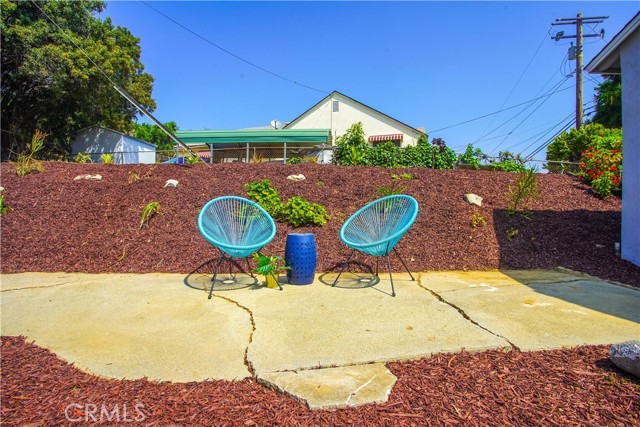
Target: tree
155 135
49 84
609 102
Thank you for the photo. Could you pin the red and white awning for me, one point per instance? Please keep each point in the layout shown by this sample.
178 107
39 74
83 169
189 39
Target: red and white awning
392 137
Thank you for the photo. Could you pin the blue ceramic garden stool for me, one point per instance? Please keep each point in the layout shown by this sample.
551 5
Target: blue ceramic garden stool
300 255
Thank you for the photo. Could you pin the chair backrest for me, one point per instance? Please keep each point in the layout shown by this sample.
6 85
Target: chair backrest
378 227
236 226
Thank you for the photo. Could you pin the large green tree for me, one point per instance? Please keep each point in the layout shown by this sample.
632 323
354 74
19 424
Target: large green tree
155 135
48 83
609 102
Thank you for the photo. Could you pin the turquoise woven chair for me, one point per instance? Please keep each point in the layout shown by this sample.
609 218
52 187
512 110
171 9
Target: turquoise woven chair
237 227
376 229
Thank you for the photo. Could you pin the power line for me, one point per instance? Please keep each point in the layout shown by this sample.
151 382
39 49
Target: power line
551 91
524 120
496 112
228 52
521 75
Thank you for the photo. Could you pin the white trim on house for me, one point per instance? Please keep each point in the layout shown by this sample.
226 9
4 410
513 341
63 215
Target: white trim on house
607 61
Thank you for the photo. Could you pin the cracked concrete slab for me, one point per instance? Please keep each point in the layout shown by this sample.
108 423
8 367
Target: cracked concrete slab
317 325
128 326
334 387
538 310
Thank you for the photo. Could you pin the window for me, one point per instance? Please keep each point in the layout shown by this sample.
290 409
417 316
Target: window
336 106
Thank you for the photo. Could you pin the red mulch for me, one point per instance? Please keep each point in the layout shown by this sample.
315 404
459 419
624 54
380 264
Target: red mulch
577 387
58 224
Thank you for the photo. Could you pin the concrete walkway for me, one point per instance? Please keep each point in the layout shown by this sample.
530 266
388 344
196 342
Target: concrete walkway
309 341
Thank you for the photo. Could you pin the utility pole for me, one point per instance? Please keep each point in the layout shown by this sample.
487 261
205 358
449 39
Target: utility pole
578 22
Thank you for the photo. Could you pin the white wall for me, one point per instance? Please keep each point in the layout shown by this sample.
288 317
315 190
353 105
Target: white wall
349 113
630 66
97 141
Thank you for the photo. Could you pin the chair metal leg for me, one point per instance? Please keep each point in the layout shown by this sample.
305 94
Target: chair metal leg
393 291
377 259
343 265
405 265
249 268
215 273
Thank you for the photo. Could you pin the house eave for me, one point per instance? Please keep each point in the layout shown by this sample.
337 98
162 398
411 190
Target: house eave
607 61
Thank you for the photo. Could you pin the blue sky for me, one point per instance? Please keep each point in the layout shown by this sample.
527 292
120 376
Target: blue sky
427 64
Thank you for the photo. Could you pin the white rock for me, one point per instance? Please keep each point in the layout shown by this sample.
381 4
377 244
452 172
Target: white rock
296 177
171 183
1 189
473 199
96 177
626 356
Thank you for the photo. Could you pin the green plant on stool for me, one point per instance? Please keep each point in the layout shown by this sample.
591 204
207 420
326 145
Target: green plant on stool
270 266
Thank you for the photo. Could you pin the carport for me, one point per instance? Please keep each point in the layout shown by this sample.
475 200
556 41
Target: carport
217 144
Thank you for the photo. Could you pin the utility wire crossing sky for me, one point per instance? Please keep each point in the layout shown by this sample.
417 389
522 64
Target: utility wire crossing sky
485 73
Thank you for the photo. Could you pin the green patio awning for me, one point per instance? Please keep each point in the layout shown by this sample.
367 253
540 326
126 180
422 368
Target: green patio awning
262 136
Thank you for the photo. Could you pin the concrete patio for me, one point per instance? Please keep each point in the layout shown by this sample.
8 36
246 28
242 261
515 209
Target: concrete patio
316 342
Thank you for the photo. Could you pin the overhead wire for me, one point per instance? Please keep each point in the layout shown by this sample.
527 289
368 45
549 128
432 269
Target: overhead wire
553 90
228 52
495 112
526 118
521 76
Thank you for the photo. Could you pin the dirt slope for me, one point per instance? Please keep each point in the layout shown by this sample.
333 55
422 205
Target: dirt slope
60 224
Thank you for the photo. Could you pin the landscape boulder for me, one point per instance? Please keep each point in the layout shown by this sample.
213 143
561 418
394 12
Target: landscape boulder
172 183
626 356
299 177
473 199
96 177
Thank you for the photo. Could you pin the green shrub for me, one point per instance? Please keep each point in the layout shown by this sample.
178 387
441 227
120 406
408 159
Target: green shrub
351 147
294 161
390 190
3 208
26 163
152 209
82 158
265 195
192 160
477 220
471 157
386 154
299 212
570 145
107 159
508 162
522 191
601 164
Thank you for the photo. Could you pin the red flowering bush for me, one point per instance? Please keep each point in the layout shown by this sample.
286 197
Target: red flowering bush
601 164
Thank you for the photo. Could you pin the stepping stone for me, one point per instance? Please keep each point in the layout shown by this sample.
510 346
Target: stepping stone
334 387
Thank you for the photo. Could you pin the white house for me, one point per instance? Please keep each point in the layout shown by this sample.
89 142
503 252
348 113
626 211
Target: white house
622 56
338 112
125 149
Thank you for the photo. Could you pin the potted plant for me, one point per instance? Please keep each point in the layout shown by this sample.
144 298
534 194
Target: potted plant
270 267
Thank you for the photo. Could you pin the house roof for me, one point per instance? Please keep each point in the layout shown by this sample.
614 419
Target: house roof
335 92
118 132
254 136
607 61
